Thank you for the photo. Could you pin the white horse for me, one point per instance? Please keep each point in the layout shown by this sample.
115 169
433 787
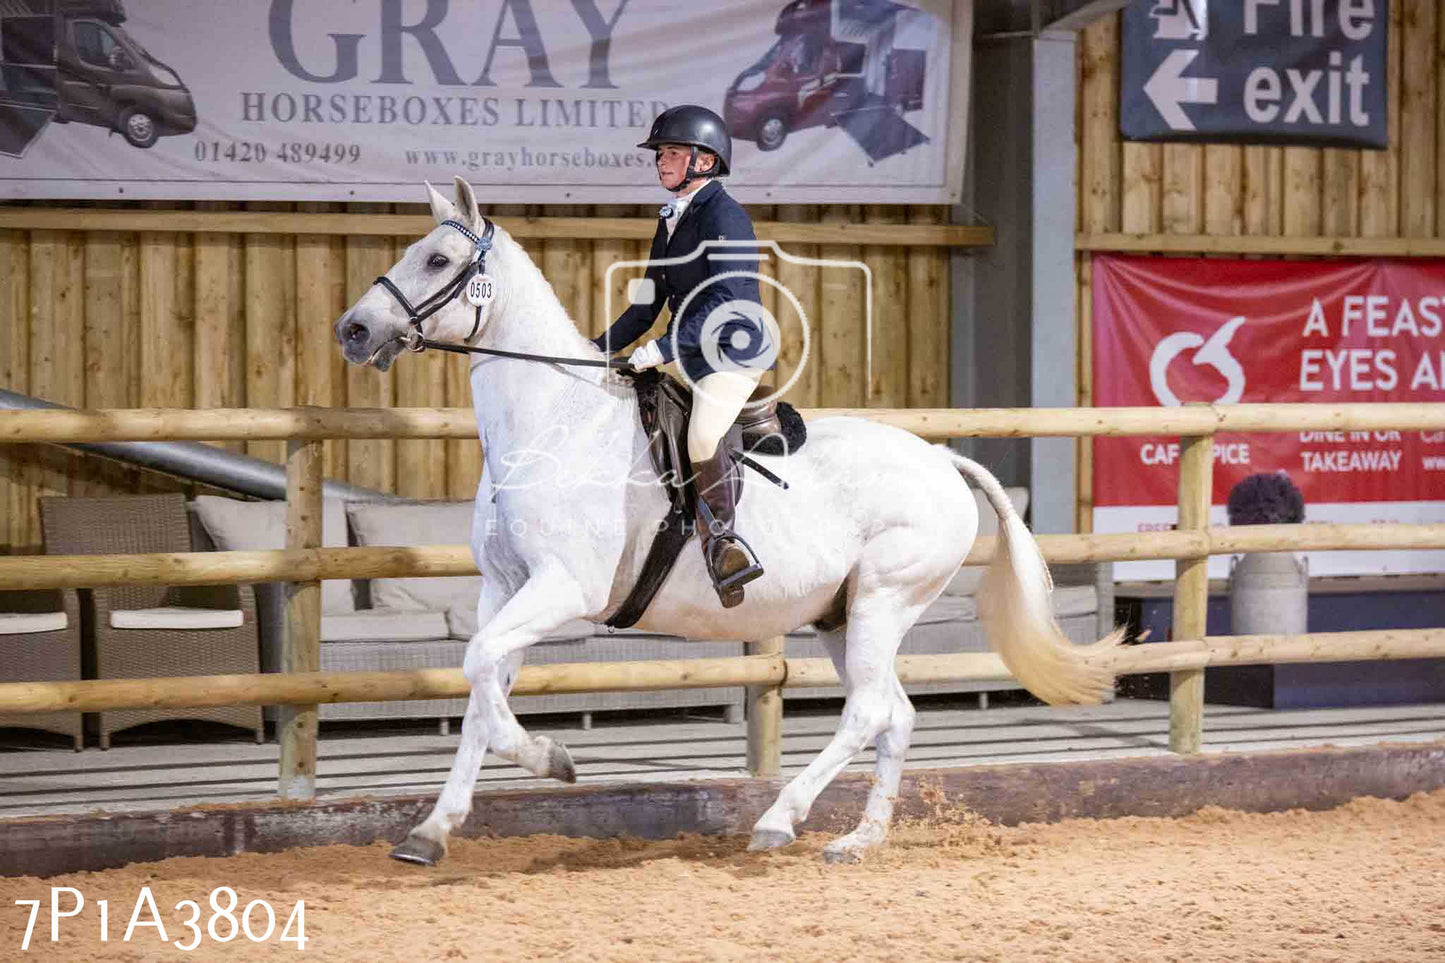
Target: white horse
872 527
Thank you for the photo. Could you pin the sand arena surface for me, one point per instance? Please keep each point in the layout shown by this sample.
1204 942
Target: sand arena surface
1362 882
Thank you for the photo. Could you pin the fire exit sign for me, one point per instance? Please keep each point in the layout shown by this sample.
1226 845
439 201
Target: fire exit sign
1255 71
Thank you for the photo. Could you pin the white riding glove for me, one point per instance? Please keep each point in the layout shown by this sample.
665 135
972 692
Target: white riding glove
647 356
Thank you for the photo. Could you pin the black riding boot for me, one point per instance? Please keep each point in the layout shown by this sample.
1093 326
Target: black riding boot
730 561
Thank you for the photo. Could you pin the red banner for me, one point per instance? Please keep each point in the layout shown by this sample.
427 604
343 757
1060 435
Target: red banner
1168 331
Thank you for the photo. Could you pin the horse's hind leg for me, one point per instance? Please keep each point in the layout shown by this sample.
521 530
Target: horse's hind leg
775 828
892 744
864 659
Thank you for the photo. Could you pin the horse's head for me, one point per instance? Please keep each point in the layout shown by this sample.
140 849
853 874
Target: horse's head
432 281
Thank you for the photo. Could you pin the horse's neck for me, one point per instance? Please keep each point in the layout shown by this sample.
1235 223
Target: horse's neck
523 403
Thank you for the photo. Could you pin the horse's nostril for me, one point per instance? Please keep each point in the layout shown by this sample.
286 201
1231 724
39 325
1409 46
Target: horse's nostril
356 331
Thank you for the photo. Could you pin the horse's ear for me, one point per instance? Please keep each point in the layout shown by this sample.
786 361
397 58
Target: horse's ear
467 203
441 208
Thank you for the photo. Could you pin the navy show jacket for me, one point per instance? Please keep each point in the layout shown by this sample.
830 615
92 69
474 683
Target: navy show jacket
711 215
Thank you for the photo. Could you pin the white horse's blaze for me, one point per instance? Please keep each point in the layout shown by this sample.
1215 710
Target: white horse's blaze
568 505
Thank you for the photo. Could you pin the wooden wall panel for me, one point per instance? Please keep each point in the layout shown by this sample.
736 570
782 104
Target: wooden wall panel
15 531
1223 189
320 300
1100 157
768 295
1380 170
840 333
270 328
57 350
126 319
220 339
1302 200
801 280
1417 118
928 322
1340 182
165 362
888 375
370 463
108 371
1183 194
608 299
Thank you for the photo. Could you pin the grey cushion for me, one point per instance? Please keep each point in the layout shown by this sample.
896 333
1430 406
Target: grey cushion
237 526
384 625
420 523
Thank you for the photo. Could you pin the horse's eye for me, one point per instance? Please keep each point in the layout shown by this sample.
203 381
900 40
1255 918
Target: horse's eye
437 261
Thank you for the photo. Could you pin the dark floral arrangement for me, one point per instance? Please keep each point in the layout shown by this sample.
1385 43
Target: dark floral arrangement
1269 498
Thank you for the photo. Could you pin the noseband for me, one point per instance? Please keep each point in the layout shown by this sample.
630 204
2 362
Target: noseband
416 314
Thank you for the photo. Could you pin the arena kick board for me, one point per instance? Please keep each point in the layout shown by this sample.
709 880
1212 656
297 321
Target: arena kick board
150 778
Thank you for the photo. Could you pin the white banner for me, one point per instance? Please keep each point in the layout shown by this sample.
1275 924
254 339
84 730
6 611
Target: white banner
537 101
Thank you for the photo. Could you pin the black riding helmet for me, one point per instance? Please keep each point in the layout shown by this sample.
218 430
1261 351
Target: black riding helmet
697 127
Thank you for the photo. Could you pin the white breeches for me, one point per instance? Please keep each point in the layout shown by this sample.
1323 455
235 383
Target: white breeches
716 402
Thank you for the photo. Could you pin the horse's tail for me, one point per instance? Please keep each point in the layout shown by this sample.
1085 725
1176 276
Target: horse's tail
1013 601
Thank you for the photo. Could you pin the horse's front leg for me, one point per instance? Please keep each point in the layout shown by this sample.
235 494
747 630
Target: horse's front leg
549 598
427 842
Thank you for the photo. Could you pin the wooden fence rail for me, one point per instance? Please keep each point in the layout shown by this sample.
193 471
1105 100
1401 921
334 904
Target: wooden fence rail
771 670
254 424
766 671
300 565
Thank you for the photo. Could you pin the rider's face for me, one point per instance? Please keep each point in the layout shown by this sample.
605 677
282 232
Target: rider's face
672 164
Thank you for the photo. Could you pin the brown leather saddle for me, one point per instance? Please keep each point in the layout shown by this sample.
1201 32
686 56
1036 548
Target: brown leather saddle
664 407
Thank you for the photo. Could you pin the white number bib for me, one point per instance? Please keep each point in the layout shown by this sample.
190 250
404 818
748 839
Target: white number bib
481 289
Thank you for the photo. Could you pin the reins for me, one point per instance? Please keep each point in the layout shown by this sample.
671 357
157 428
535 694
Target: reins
474 281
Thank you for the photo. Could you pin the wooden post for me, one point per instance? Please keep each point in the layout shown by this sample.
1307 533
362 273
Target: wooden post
765 718
301 648
1191 593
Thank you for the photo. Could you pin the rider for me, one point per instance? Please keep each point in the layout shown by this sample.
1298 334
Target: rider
718 341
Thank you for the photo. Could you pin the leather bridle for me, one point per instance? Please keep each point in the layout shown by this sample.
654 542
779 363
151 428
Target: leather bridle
416 314
414 340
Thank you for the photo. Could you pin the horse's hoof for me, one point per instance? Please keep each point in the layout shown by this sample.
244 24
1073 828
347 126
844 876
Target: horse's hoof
840 856
419 849
559 764
765 839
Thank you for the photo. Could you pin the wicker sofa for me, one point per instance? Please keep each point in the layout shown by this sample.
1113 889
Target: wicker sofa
423 623
40 642
142 631
412 623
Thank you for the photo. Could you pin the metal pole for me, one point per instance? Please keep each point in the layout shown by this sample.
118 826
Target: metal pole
765 718
301 648
1191 593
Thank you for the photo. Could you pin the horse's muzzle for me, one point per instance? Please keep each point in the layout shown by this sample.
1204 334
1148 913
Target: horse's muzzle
361 344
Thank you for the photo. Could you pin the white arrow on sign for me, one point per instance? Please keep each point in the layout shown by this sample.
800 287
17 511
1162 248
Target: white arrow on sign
1169 89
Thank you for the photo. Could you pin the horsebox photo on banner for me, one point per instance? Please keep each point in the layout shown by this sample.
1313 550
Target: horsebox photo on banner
1169 331
360 100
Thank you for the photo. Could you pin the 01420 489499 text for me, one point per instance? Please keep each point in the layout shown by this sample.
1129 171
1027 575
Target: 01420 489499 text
287 152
